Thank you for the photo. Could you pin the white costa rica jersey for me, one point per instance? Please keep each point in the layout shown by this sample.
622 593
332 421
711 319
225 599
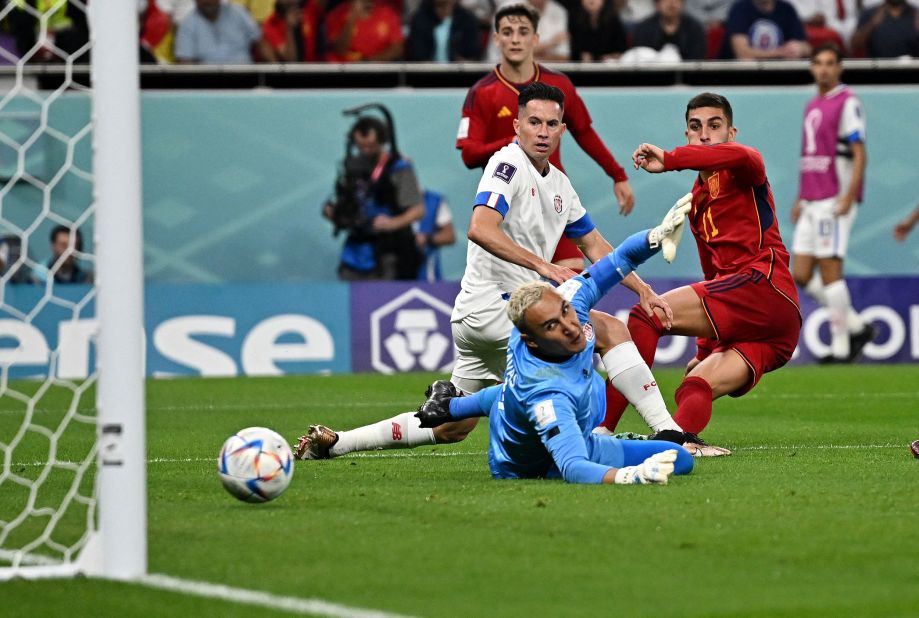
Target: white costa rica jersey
536 209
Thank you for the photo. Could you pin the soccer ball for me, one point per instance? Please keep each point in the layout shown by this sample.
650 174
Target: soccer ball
255 464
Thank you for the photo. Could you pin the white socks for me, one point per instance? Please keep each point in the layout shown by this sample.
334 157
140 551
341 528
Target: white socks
839 304
402 431
816 290
631 376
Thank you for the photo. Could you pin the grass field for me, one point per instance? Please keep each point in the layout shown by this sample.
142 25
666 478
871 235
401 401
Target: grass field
815 514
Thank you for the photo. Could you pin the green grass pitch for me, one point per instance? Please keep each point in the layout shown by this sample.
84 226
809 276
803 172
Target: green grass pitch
815 514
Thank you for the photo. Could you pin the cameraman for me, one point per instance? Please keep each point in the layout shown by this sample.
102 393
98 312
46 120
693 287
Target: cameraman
377 200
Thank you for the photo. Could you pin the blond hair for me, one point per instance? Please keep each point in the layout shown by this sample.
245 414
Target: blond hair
522 299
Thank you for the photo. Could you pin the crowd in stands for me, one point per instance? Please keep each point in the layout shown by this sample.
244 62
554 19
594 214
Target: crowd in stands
247 31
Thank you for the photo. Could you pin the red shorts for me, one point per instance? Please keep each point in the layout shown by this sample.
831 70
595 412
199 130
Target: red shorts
566 250
751 317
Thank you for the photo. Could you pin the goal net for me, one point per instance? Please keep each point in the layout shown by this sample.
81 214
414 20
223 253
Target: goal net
72 478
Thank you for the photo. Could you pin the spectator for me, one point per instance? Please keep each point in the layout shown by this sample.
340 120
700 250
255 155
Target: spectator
597 34
553 31
433 231
671 26
888 31
63 265
361 30
282 33
443 31
902 229
377 201
762 30
62 28
12 269
216 33
827 21
156 33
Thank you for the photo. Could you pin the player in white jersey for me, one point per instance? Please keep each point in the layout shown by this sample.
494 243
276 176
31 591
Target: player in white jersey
523 206
832 176
524 210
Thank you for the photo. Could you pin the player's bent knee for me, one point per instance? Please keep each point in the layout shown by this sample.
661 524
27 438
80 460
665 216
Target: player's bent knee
451 433
609 331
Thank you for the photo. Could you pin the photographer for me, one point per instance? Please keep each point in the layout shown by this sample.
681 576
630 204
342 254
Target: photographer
377 198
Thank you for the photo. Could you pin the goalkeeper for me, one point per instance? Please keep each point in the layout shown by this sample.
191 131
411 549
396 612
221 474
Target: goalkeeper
541 419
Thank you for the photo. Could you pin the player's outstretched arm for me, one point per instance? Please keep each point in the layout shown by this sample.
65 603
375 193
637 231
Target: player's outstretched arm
656 469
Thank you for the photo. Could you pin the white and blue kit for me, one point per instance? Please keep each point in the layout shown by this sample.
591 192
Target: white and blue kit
536 210
542 417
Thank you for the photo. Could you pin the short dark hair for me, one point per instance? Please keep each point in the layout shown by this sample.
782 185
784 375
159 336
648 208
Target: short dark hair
520 10
63 229
366 124
830 47
710 99
539 91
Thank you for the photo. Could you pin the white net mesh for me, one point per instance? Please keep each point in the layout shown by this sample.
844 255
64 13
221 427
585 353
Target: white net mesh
47 379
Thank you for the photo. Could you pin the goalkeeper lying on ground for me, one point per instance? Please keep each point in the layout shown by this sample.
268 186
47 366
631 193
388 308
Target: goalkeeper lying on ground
541 419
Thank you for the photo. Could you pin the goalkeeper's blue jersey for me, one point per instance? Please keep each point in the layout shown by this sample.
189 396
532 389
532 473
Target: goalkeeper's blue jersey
541 400
542 420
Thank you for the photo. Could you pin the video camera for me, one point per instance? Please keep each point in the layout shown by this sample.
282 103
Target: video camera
347 209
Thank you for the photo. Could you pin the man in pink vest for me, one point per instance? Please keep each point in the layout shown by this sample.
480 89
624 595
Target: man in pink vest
832 174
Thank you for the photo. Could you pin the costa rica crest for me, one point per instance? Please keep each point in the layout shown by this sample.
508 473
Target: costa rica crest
558 203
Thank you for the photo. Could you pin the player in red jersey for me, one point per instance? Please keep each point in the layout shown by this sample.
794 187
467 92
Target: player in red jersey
487 124
745 313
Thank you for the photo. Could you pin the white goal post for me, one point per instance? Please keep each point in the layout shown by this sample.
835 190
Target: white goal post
114 544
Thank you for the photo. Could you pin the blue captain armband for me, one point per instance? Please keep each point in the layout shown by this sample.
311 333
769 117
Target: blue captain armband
581 227
492 200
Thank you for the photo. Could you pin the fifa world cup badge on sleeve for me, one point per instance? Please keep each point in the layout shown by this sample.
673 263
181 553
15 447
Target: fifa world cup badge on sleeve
545 413
505 171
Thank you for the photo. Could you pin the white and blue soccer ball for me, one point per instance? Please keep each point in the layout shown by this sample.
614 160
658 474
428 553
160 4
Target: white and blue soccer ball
255 464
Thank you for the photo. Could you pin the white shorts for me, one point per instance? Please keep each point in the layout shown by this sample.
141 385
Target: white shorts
481 347
821 233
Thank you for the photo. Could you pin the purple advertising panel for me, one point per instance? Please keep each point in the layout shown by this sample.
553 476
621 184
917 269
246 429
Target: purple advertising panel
890 304
399 327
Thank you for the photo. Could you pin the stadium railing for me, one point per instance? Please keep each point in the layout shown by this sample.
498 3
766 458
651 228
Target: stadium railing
464 74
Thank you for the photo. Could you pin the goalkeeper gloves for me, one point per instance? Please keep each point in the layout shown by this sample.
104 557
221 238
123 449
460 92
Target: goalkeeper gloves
655 469
670 230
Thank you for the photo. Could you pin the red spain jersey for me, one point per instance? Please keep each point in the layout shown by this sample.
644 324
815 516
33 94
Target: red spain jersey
733 213
487 123
372 34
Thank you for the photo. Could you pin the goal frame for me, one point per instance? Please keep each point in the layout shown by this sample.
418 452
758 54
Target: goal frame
117 548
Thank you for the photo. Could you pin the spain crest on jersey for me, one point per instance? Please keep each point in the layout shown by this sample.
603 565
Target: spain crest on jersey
558 203
714 185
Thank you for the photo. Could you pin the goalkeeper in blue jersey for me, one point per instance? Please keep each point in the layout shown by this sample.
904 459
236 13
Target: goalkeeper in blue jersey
541 419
